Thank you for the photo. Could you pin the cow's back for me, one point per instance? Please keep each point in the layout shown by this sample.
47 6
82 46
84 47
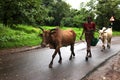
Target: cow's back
63 37
68 37
109 32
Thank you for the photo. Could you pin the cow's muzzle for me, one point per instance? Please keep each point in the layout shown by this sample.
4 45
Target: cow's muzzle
43 45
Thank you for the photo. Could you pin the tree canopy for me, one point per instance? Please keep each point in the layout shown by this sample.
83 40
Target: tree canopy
105 9
57 12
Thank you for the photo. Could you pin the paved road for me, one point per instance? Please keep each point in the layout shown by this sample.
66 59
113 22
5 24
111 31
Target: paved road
33 65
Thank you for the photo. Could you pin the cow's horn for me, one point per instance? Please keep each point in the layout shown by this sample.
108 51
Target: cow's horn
41 28
52 31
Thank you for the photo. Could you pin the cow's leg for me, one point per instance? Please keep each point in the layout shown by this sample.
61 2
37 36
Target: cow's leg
109 43
86 58
60 58
103 46
72 51
53 56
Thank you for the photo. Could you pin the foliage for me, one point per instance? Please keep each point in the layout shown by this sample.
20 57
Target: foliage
21 11
24 35
16 15
18 38
74 18
27 29
105 9
77 17
58 12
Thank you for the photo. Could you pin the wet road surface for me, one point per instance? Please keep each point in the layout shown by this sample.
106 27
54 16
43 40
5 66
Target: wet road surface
33 65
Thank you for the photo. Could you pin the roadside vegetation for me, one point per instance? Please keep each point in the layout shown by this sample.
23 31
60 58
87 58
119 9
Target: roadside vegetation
24 35
21 35
17 18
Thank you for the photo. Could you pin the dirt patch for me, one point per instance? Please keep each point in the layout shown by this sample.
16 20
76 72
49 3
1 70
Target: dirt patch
110 70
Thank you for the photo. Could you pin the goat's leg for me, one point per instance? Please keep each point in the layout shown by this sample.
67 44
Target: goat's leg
72 51
53 56
60 58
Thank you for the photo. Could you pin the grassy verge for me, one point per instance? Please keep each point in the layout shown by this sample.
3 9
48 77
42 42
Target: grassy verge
23 35
19 36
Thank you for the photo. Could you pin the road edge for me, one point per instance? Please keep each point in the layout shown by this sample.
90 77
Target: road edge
100 65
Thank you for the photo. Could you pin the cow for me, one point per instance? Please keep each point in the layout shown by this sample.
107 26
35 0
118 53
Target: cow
105 35
57 38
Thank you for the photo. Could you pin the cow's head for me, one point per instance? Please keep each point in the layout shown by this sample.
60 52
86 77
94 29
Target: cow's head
102 33
46 36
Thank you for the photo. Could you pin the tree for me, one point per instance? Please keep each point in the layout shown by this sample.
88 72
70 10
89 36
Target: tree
49 5
21 11
60 10
77 17
105 9
9 12
68 20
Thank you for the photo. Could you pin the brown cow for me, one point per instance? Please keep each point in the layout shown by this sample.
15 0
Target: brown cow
56 38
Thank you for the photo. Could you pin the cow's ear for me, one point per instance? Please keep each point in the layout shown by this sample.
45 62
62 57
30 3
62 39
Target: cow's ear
41 35
100 31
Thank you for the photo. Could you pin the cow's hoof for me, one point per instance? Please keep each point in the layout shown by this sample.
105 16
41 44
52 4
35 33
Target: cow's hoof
102 50
73 54
86 58
90 55
60 61
108 46
50 66
70 58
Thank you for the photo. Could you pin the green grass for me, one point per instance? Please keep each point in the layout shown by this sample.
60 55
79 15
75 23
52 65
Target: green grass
24 35
19 37
116 33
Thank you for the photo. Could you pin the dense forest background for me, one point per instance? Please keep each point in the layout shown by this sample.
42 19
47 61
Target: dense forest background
58 13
